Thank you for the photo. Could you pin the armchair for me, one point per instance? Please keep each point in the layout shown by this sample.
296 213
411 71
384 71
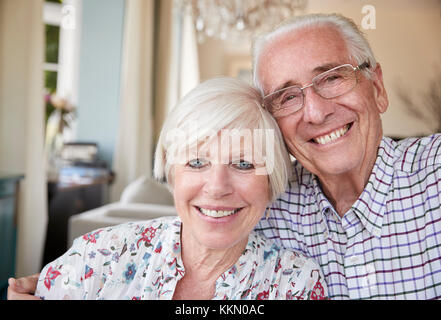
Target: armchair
143 199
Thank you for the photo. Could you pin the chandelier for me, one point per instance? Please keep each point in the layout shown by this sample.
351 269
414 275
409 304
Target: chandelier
238 19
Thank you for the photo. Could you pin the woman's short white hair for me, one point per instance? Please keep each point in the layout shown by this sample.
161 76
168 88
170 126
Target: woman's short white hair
215 105
358 47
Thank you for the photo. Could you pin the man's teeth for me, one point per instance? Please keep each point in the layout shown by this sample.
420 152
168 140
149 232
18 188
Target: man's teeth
332 136
217 213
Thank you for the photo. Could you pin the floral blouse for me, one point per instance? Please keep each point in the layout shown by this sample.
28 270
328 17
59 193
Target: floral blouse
142 260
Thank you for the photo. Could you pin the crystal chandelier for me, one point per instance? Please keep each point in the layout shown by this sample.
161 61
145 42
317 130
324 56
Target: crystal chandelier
238 19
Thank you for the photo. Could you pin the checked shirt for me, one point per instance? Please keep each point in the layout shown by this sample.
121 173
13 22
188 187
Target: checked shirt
388 245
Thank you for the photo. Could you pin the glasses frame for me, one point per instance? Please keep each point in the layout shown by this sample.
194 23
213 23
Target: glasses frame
359 67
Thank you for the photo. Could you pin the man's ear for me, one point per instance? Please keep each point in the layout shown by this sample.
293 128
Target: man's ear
380 91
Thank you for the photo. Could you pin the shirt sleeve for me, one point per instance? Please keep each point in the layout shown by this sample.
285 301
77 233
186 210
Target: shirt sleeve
69 277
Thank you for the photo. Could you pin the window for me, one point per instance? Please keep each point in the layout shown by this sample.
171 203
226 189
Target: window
62 27
52 18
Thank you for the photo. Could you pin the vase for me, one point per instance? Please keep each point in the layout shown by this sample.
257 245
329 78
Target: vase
54 145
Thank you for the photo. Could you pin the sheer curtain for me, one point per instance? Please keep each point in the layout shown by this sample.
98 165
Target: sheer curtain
156 72
22 122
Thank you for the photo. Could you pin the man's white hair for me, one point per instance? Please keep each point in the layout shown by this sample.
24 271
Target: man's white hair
356 43
215 105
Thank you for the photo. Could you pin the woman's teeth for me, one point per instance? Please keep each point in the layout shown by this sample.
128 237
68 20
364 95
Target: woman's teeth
217 213
332 136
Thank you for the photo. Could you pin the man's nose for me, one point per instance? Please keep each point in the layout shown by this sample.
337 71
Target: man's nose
316 109
218 182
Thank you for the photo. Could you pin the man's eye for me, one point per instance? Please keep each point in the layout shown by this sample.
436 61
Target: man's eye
332 77
243 165
197 163
291 96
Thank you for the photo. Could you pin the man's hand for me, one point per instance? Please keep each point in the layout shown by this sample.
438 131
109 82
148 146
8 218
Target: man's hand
23 288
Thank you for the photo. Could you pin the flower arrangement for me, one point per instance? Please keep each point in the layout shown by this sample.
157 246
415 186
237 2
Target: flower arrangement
59 115
65 110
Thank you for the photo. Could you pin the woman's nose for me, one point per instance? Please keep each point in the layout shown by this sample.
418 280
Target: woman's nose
218 182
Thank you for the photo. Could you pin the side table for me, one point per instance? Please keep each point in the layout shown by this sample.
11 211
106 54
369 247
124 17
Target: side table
9 183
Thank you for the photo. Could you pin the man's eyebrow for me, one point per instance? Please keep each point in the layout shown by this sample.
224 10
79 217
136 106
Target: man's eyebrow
316 70
287 84
326 67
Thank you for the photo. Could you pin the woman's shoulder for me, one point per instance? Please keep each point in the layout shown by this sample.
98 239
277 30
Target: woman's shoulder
270 249
129 232
295 275
106 255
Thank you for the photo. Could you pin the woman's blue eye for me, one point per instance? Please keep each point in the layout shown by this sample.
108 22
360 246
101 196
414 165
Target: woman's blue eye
196 163
243 165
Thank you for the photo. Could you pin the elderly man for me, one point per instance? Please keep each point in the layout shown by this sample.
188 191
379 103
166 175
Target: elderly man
365 207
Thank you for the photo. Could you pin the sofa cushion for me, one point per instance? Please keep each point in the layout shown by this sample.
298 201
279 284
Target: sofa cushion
146 190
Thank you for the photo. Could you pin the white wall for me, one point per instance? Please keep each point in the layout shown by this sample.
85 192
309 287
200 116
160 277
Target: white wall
406 42
21 122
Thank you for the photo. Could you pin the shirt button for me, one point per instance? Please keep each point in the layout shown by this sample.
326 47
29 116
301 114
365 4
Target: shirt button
355 259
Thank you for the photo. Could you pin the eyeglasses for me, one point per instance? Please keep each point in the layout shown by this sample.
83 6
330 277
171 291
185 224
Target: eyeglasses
329 84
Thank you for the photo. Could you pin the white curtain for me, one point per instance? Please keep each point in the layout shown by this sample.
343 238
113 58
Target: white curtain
155 75
22 122
189 75
134 141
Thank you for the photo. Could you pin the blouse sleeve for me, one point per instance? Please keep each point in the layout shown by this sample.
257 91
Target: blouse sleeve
70 276
305 281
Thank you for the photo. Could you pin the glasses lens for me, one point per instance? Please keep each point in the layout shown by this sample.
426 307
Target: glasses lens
335 82
284 102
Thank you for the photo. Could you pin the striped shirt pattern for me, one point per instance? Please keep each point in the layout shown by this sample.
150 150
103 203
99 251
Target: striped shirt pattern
388 245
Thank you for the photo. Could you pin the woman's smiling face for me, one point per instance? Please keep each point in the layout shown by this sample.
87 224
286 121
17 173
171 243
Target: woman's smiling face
219 197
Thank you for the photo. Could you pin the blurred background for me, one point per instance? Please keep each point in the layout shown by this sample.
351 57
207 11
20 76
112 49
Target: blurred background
86 84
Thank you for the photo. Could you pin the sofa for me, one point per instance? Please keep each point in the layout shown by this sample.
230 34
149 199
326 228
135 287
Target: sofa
143 199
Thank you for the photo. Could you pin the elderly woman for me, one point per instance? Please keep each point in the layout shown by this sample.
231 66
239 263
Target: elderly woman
224 160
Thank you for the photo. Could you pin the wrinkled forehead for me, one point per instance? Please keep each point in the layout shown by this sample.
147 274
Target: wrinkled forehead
296 57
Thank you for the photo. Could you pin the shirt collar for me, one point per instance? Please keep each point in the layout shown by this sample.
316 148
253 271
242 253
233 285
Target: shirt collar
371 204
322 202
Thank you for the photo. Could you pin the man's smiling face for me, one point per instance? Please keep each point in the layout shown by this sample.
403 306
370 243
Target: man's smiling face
328 136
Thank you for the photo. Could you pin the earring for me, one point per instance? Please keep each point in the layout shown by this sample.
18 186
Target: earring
267 213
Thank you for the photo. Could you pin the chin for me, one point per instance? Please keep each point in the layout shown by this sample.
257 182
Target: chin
342 164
